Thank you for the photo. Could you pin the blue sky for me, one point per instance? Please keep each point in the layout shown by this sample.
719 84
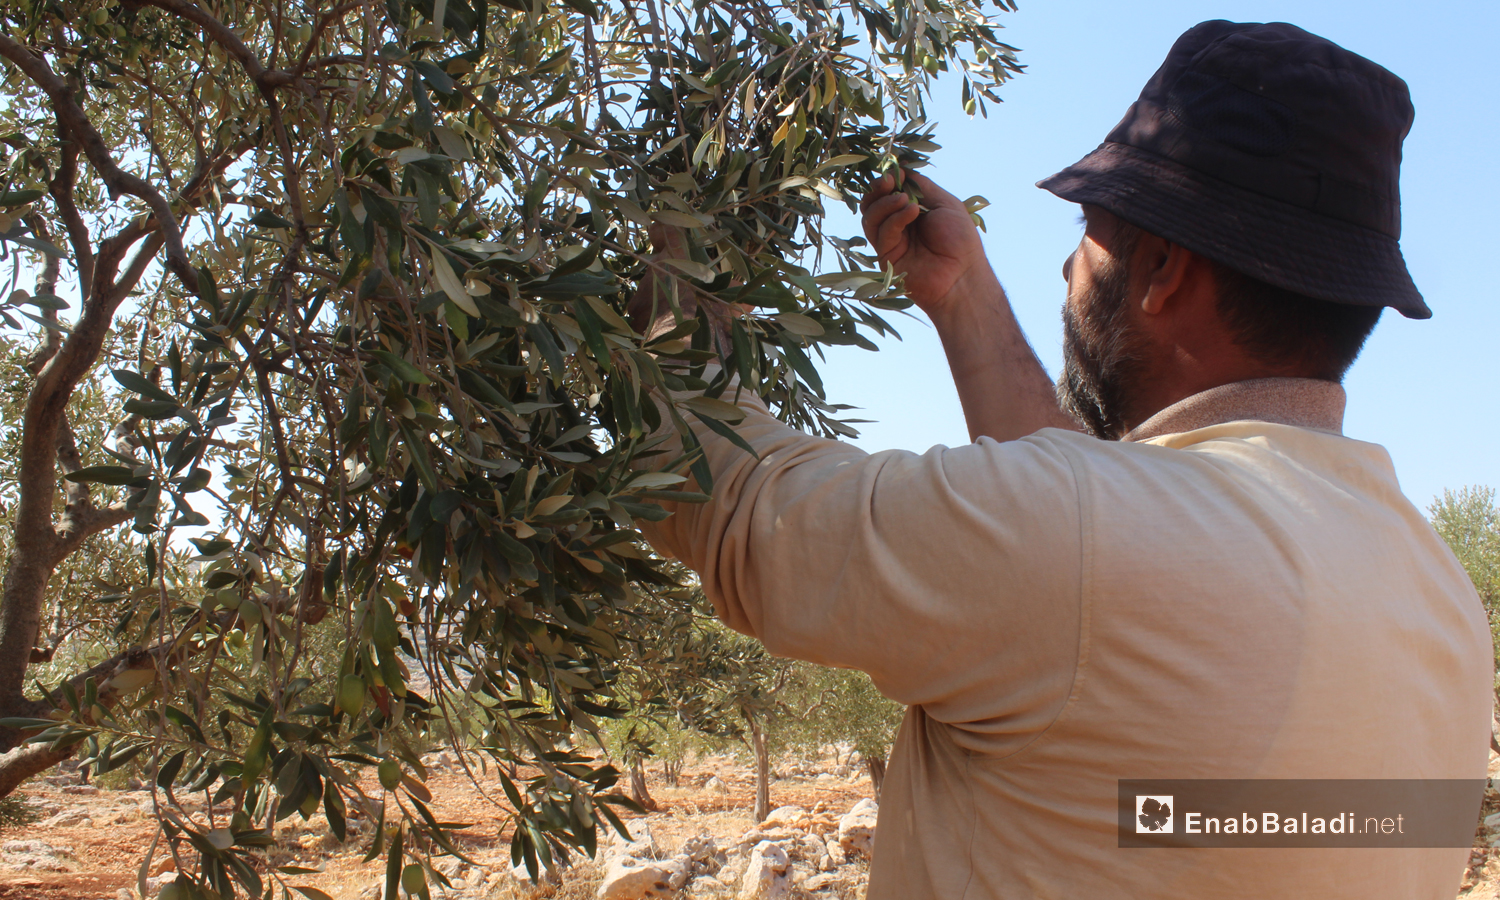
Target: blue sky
1424 390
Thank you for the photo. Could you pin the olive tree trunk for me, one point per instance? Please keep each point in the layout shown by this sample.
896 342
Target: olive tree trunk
45 533
875 765
762 769
638 790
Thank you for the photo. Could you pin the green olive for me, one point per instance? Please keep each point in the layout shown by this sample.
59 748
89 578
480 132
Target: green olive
351 694
390 774
413 879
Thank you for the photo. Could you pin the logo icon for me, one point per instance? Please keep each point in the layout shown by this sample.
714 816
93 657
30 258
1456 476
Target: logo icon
1153 815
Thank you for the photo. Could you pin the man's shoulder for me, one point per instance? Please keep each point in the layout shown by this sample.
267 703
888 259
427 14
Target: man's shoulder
1241 439
1231 462
1234 457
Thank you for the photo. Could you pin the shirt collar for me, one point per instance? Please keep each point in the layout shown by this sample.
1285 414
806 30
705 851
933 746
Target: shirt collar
1302 402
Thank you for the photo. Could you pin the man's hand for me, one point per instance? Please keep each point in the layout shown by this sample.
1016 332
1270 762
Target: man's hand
650 310
1005 392
935 250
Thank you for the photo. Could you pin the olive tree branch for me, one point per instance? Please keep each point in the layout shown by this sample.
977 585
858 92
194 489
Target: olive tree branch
61 189
266 80
75 125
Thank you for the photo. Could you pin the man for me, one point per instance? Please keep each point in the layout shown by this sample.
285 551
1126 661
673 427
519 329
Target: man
1223 587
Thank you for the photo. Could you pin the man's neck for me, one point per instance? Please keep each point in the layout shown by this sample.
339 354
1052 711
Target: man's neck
1302 402
1178 373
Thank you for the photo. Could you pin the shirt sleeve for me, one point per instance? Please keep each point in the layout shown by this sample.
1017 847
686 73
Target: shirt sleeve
952 577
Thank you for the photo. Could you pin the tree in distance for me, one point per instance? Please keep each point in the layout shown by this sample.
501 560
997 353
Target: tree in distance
1468 519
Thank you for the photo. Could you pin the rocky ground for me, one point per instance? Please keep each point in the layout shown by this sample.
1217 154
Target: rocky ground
1482 880
89 843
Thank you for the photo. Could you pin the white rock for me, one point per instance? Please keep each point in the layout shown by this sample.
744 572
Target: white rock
715 783
628 878
1492 821
819 882
810 847
764 832
785 816
729 874
641 845
836 855
678 870
700 848
36 856
799 874
767 875
857 828
68 818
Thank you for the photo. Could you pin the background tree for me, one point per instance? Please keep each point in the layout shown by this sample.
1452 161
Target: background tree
841 707
376 255
687 671
1469 520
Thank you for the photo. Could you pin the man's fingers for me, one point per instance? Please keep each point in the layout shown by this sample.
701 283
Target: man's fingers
877 211
881 187
891 236
933 194
668 241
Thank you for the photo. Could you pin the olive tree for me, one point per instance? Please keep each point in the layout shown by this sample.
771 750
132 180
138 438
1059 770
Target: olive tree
841 706
1469 520
373 259
688 672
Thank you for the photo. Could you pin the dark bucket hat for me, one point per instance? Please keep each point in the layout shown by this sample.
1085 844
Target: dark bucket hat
1270 150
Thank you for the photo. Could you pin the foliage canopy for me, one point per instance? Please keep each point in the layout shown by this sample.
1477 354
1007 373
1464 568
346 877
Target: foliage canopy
350 286
1469 520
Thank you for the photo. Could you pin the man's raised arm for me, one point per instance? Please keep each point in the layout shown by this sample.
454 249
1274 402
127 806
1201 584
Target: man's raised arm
1005 392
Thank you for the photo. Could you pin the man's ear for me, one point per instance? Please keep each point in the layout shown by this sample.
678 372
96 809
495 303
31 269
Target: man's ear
1168 270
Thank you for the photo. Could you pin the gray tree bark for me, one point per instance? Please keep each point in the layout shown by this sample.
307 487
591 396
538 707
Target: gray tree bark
762 770
638 790
42 538
875 765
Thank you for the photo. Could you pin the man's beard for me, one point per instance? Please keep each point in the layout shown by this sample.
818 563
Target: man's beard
1104 356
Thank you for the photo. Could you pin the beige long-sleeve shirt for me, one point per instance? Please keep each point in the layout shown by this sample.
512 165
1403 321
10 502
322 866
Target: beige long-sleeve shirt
1235 591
